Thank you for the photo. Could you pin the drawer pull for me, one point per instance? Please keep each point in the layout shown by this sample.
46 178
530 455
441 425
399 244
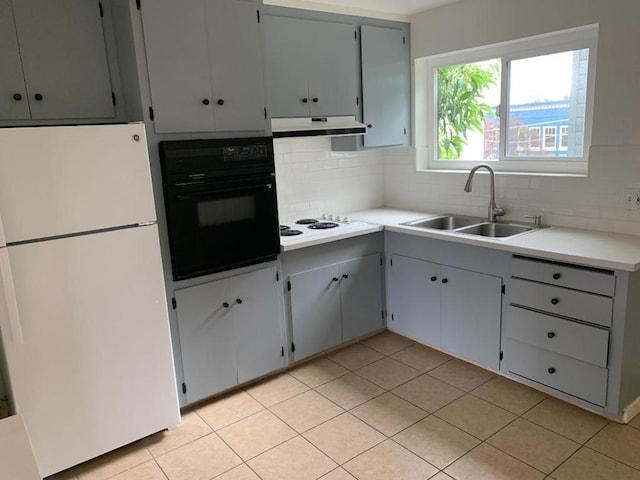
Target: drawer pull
444 280
434 278
551 371
555 301
551 334
335 279
225 305
556 276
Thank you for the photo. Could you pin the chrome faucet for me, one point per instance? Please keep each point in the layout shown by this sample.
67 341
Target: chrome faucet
494 210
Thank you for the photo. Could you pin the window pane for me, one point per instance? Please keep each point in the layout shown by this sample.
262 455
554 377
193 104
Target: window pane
548 94
468 98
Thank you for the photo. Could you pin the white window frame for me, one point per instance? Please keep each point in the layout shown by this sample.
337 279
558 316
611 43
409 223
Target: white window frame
564 133
554 135
537 129
426 141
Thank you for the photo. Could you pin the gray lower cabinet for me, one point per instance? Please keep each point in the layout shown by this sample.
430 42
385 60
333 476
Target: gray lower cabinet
205 62
334 304
450 308
54 61
311 67
230 332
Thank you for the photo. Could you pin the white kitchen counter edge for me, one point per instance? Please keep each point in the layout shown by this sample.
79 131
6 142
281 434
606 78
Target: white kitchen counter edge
330 236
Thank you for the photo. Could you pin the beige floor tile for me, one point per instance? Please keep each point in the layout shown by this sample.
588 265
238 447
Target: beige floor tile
389 414
587 464
620 442
200 460
317 372
534 445
510 395
277 389
296 459
488 463
241 472
475 416
565 419
146 471
344 437
388 343
441 476
350 391
228 409
191 428
428 393
338 474
462 375
255 434
306 410
388 373
66 475
436 441
389 461
113 463
635 422
421 358
355 356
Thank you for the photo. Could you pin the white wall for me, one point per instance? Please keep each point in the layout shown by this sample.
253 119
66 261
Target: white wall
594 202
312 180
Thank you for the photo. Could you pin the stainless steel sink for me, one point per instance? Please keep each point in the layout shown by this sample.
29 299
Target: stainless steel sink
488 229
445 222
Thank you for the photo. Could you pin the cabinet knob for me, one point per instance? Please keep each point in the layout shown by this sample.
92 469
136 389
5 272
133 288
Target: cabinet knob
315 100
239 301
17 97
551 334
305 100
556 276
38 96
345 276
225 305
555 301
220 102
445 280
369 125
551 371
206 101
335 279
434 278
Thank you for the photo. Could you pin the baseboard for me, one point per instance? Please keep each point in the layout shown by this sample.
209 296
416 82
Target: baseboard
631 411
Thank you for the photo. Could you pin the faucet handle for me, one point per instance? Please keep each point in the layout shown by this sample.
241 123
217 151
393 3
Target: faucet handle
537 220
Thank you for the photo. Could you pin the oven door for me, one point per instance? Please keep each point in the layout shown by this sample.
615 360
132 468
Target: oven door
221 225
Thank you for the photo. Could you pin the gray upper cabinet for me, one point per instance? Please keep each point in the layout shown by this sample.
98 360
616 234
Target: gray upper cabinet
311 67
205 65
385 96
58 48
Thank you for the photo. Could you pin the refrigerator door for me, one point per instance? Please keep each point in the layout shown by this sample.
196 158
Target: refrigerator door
62 180
94 368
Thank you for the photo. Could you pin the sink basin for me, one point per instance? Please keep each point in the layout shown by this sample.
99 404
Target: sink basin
488 229
444 222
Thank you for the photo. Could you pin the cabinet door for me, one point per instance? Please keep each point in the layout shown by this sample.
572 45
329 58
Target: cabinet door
206 333
13 94
332 60
471 309
315 310
256 318
286 45
361 296
175 35
414 299
235 48
384 95
64 58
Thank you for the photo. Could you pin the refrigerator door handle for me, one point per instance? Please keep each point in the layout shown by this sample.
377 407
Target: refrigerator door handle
10 297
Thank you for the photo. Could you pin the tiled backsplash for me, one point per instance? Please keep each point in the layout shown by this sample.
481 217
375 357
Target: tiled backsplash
313 180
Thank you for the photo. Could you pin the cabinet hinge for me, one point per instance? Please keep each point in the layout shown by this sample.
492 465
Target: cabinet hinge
501 355
288 286
138 4
174 304
293 347
282 351
184 388
504 289
381 261
404 40
357 100
258 12
277 276
391 261
101 9
405 131
151 114
392 317
113 98
265 113
355 35
382 312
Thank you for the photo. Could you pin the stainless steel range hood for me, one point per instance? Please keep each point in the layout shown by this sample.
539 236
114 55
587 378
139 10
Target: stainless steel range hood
315 127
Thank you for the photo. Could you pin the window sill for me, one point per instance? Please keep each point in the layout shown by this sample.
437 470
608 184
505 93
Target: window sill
501 172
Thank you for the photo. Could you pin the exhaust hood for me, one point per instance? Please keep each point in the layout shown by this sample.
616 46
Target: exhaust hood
315 127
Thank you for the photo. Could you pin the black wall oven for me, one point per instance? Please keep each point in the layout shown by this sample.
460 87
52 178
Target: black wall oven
220 202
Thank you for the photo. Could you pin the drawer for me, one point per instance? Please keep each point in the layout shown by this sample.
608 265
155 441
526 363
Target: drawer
576 378
561 301
596 281
575 340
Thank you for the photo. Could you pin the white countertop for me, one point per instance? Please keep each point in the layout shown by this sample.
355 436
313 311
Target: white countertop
345 231
597 249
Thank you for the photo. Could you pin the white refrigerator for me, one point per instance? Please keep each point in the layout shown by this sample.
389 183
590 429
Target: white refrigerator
83 312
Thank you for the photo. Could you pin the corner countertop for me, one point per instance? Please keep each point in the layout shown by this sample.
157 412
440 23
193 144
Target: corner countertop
586 247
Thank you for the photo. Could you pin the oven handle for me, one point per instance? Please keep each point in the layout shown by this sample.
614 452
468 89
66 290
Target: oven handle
266 186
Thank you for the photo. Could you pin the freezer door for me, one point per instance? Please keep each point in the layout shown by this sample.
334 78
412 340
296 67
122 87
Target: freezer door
61 180
93 369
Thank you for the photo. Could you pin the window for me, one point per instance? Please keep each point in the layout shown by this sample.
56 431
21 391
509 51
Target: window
523 105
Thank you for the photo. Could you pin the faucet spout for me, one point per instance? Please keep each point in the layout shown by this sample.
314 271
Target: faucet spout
494 210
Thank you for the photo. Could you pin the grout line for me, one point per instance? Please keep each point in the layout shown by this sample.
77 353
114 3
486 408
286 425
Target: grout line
611 458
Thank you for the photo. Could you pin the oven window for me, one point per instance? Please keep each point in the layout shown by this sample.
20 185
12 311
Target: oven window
226 210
